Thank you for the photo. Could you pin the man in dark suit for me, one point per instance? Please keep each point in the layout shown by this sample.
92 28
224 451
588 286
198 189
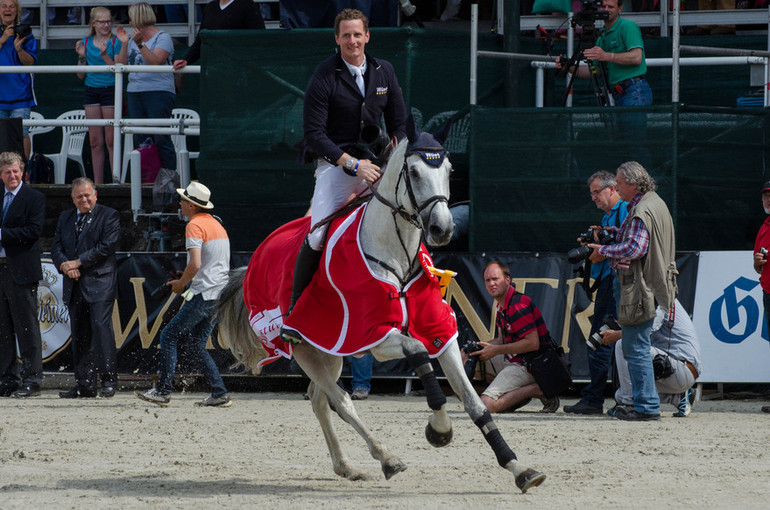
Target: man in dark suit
83 250
21 224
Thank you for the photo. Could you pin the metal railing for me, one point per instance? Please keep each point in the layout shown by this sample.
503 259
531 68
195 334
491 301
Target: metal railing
45 32
541 62
150 126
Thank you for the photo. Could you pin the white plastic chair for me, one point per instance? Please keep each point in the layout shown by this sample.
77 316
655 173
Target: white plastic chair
180 141
72 141
36 130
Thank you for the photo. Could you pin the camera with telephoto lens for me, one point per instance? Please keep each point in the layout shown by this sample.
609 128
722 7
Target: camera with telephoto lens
22 30
472 347
595 340
605 237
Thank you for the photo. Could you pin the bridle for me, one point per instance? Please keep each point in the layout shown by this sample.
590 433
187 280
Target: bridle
414 217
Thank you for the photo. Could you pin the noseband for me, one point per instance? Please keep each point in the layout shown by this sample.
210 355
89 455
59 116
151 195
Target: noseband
398 209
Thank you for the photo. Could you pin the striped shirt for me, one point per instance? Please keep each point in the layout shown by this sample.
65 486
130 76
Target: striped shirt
519 317
207 234
634 240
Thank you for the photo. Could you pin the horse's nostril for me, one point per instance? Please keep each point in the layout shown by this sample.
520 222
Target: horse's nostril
436 232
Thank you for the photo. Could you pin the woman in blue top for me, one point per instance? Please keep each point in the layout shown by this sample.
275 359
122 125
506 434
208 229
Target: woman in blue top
98 49
150 95
17 96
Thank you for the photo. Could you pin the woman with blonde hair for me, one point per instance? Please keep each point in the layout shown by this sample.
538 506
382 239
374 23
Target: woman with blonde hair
99 48
149 95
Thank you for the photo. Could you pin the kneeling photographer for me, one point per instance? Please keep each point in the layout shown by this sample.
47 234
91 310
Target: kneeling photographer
603 193
521 332
675 352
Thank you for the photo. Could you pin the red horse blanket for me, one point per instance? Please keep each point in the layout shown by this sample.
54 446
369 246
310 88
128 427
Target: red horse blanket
346 309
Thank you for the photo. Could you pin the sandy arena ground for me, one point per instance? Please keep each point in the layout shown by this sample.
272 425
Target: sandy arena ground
266 451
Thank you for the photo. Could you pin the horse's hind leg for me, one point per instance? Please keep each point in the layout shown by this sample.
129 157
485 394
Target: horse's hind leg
451 364
324 370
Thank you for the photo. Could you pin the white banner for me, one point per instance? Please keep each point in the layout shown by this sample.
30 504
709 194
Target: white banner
730 319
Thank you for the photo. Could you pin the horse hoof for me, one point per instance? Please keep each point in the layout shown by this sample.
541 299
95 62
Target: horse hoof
528 479
393 468
437 439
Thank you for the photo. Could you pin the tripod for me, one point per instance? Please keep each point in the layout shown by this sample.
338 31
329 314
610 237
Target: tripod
598 81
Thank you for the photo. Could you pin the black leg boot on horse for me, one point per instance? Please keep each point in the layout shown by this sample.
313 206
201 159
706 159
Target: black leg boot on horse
304 268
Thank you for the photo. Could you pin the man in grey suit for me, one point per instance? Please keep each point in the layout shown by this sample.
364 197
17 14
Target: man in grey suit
83 250
21 223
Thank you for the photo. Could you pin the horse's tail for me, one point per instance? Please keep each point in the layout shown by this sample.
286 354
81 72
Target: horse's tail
235 332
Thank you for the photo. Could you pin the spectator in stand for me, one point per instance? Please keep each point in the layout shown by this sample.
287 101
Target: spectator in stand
17 96
150 95
99 48
224 15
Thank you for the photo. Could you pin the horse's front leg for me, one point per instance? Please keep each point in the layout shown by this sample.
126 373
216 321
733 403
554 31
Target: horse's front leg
324 370
451 364
438 432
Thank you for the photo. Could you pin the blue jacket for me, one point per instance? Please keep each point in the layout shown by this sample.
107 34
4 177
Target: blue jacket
335 112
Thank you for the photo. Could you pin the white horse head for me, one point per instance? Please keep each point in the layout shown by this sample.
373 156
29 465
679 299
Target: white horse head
416 181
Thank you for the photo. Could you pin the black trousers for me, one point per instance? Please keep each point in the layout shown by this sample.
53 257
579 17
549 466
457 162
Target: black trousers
19 322
93 340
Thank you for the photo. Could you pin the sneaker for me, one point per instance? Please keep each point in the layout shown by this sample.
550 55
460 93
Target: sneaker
634 415
154 396
359 394
212 401
618 409
550 405
582 408
684 407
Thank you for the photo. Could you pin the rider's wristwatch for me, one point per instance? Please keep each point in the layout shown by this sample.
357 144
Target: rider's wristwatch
350 163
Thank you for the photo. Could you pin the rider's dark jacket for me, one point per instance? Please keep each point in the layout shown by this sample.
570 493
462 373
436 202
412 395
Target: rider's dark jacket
335 112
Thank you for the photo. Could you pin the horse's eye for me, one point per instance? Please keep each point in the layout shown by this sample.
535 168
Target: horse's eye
414 172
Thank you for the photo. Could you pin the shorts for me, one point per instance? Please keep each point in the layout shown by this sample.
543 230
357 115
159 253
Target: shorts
99 96
17 113
511 377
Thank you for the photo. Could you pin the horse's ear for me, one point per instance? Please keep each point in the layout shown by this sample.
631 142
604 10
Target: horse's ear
411 129
443 133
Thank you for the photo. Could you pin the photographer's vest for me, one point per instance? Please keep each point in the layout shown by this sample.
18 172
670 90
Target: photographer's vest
653 277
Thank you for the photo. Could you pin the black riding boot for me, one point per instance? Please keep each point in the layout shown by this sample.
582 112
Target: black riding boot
304 268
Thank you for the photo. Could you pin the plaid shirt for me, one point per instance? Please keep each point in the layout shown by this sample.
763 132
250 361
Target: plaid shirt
635 239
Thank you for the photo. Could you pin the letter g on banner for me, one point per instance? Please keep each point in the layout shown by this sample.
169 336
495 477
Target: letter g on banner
731 306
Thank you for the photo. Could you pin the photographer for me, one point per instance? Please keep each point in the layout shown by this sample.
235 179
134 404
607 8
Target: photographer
620 45
761 247
676 353
645 268
520 330
606 198
18 47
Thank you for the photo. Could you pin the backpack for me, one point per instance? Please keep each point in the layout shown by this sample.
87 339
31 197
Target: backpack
40 170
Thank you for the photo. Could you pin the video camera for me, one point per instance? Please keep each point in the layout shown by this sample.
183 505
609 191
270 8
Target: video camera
586 20
605 237
22 30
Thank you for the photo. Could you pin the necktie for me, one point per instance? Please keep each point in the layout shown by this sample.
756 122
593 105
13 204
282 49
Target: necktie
81 222
360 80
6 205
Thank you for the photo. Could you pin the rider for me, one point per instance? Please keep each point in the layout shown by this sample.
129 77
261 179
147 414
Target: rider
348 91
